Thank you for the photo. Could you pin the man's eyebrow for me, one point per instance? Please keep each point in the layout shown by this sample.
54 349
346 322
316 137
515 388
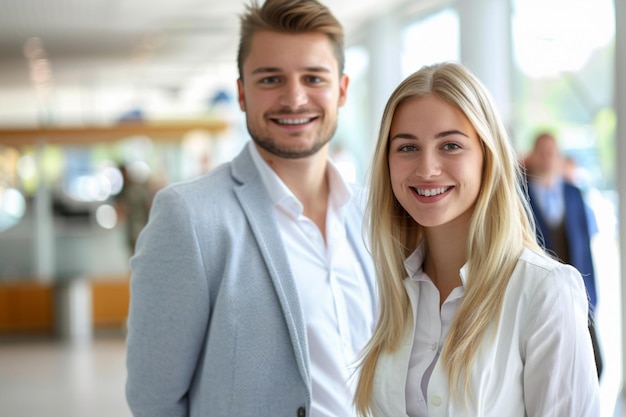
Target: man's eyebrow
317 69
273 70
263 70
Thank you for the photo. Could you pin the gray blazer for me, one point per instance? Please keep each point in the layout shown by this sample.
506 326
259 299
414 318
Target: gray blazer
215 325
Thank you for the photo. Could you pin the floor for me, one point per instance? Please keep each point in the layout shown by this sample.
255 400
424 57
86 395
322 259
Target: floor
43 378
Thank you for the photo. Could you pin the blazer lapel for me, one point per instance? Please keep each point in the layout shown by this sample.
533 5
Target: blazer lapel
258 208
544 238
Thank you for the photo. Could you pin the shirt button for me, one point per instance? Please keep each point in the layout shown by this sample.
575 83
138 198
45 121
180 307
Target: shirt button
436 400
433 346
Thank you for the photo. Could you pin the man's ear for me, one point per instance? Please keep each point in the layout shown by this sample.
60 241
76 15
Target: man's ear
240 95
343 89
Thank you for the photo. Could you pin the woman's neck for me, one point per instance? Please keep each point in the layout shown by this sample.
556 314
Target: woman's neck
446 253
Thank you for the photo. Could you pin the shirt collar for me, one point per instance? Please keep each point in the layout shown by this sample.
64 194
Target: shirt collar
282 196
556 184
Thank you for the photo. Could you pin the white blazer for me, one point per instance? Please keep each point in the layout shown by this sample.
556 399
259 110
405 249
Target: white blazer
538 362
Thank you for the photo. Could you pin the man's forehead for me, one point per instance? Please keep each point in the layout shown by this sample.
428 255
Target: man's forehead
284 52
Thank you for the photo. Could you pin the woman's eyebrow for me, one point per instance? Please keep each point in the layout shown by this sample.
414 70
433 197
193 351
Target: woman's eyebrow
450 132
439 135
403 136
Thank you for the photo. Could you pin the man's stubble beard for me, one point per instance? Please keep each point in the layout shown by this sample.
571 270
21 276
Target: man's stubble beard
267 143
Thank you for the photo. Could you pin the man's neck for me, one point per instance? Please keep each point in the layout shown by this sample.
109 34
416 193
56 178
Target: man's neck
549 179
307 179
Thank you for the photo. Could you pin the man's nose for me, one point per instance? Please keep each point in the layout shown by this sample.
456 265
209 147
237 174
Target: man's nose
294 94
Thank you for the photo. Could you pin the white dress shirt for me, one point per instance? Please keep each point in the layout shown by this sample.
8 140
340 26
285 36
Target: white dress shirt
536 362
334 294
551 200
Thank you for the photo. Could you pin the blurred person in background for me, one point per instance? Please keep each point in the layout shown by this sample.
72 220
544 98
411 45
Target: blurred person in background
565 223
133 202
252 289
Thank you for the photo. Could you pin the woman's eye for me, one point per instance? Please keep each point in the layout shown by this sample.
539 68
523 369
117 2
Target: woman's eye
451 146
406 148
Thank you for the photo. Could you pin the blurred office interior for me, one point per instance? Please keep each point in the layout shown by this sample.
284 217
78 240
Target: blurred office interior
103 103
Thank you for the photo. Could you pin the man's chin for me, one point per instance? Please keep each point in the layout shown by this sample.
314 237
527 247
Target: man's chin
290 152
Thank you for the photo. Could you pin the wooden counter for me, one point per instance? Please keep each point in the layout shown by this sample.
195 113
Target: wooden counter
29 307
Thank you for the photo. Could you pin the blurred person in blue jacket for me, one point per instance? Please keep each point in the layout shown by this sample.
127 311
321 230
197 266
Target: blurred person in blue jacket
565 223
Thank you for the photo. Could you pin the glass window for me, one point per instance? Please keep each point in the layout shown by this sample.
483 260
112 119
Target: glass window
431 39
563 62
563 56
350 148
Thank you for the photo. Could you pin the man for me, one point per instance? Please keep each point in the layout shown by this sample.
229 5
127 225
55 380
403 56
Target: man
252 289
562 218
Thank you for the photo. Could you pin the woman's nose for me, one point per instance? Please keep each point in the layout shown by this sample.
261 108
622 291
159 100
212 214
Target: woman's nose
427 165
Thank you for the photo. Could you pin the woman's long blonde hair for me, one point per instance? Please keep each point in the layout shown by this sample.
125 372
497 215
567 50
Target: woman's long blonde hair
500 227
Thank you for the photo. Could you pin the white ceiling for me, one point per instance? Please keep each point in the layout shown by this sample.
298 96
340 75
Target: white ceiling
95 47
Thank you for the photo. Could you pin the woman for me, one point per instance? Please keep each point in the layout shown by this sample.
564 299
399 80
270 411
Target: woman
485 324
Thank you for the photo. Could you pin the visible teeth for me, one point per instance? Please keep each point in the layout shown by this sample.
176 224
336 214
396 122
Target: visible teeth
431 191
293 121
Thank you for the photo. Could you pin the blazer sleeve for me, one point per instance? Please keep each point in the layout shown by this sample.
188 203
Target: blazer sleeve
169 310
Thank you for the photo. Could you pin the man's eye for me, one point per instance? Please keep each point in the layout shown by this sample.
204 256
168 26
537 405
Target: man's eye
314 80
269 80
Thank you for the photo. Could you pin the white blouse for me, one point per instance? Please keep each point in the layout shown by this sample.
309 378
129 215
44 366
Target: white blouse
538 361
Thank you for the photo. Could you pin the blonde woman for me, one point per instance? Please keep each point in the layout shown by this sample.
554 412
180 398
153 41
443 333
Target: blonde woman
475 319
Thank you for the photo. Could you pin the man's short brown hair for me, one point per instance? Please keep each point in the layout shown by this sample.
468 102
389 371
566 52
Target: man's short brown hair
289 16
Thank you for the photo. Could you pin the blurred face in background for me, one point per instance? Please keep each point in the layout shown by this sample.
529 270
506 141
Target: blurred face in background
546 158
